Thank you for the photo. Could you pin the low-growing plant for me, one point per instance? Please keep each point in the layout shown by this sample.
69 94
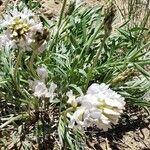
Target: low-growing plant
60 77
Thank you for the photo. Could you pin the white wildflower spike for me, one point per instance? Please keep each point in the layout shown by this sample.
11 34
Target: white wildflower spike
102 107
40 90
20 29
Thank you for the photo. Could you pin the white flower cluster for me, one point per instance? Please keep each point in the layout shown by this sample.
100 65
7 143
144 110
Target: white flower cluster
20 29
101 106
39 87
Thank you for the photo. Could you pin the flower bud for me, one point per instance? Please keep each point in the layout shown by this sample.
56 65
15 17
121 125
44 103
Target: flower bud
42 73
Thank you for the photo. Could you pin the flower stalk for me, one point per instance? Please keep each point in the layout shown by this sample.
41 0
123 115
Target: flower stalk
18 62
31 62
16 68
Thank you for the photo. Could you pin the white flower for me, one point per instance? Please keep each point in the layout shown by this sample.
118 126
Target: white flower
20 29
77 118
72 98
88 100
105 94
95 117
5 41
102 107
42 47
42 73
40 90
10 16
51 91
84 118
96 88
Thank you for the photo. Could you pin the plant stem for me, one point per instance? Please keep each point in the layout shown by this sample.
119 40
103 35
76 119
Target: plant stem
144 22
62 12
14 76
17 65
54 41
31 62
94 63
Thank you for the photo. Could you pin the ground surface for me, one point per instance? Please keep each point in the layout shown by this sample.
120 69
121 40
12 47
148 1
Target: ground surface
134 133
